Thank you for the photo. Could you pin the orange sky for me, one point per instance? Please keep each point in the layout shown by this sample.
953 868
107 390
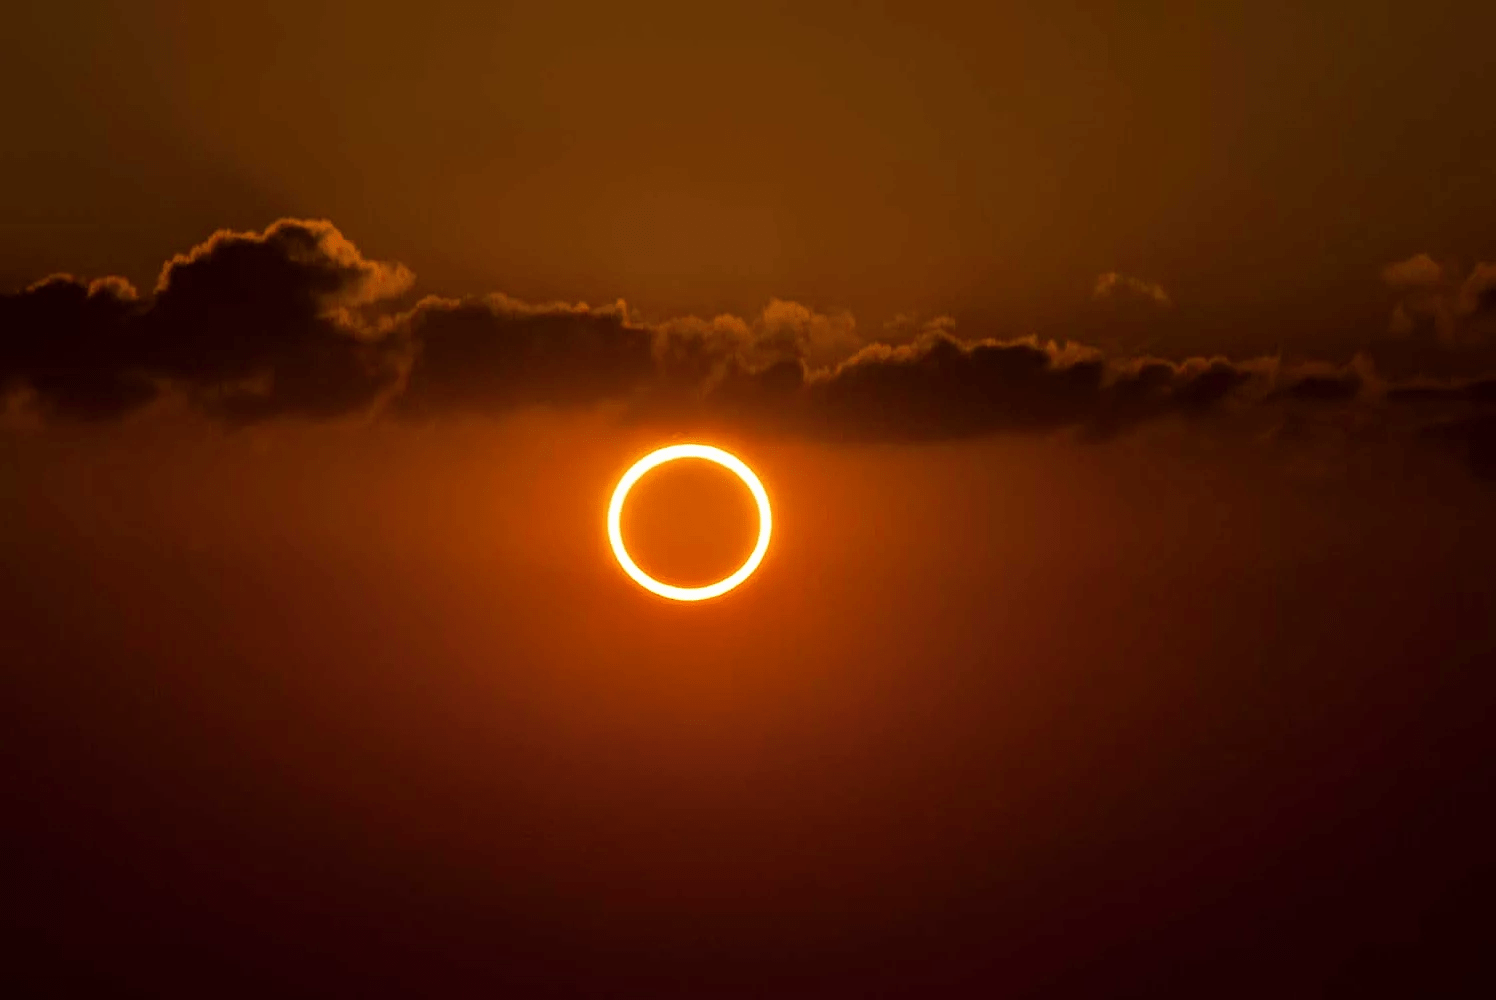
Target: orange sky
323 682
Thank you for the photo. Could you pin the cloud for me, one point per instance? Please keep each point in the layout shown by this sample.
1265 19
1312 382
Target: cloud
294 321
792 330
1114 285
1471 390
1434 300
939 388
783 331
75 346
1478 293
493 354
1418 271
248 325
1313 382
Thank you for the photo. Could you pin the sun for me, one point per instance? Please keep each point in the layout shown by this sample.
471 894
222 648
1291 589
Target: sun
669 454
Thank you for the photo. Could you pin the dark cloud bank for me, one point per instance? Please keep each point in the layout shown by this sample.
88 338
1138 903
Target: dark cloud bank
295 322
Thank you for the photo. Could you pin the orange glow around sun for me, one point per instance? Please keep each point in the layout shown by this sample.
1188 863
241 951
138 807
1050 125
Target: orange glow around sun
669 454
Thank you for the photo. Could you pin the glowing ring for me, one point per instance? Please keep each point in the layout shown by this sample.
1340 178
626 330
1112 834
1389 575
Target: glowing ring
670 454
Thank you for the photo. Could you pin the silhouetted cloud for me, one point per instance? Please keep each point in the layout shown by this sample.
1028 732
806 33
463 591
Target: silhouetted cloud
939 387
1473 390
76 346
295 321
1317 383
249 325
494 354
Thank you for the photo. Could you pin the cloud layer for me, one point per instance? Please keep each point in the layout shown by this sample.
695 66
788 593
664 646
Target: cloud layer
295 322
1460 310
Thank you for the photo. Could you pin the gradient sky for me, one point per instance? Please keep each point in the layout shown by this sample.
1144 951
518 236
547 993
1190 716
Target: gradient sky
1124 381
1260 161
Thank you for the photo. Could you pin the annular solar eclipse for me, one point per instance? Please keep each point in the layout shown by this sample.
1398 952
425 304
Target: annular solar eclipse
670 454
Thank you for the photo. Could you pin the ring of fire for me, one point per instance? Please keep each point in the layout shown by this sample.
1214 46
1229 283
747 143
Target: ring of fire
669 454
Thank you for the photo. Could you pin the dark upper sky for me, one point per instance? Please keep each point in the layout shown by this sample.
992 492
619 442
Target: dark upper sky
1261 162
